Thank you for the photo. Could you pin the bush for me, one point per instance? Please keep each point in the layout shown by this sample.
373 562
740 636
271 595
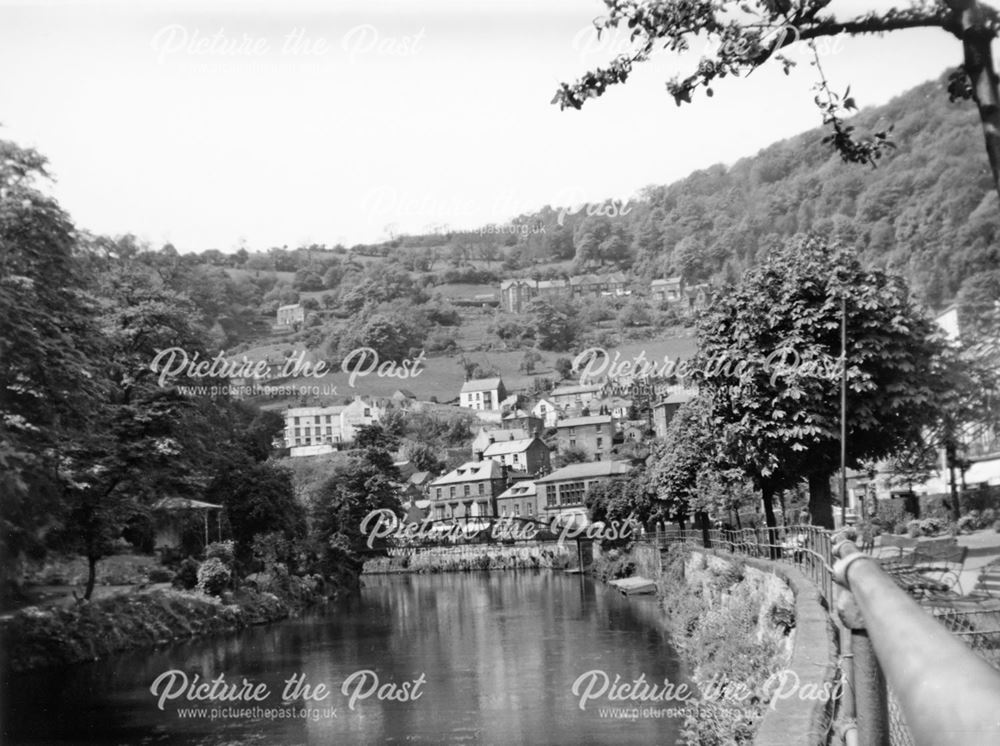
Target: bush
931 526
967 523
213 577
987 518
160 575
224 551
996 527
187 574
913 529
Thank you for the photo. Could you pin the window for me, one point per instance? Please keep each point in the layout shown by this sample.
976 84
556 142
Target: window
503 510
517 509
483 508
439 491
439 512
600 441
451 491
529 508
598 427
296 420
467 490
550 495
572 442
572 493
572 431
482 488
368 412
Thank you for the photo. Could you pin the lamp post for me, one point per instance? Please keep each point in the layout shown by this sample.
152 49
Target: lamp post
843 409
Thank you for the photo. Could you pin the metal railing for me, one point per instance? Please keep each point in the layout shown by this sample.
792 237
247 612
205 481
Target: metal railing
925 675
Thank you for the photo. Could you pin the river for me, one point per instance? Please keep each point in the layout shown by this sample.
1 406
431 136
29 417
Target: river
489 658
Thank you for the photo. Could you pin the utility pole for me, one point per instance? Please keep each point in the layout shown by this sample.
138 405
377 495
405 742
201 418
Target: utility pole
843 410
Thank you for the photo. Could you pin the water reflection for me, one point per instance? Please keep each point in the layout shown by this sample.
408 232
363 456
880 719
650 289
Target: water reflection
500 652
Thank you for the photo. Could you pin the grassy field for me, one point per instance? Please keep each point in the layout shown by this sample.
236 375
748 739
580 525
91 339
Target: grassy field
442 376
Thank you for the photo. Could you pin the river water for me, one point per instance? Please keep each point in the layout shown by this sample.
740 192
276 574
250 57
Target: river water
459 658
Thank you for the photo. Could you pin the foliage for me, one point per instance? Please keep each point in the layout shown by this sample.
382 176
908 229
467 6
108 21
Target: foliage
742 35
214 577
769 366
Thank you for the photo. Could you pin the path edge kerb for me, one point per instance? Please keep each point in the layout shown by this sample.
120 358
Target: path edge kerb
814 659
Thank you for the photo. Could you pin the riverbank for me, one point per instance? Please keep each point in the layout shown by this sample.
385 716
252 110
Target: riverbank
34 637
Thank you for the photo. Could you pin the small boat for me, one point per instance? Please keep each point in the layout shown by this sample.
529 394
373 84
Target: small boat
634 586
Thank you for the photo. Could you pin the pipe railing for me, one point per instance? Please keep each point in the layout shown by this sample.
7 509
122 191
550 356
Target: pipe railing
949 696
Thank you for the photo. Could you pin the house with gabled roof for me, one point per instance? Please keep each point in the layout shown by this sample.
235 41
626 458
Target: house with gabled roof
482 394
527 455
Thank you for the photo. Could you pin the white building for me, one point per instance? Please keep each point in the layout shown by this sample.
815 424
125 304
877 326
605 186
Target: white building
483 394
291 314
307 428
547 411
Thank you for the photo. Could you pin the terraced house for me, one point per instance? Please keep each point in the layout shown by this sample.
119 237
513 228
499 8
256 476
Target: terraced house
468 491
592 435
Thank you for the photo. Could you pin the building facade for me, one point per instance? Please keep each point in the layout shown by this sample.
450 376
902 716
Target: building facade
519 501
562 493
482 394
593 435
528 455
290 315
470 491
328 426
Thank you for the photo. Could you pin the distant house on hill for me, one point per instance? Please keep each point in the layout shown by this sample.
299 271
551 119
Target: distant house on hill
528 455
575 396
590 434
515 295
483 394
668 290
291 315
547 411
521 420
665 410
330 427
493 434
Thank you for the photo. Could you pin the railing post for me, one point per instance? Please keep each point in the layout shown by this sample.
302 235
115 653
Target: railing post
869 694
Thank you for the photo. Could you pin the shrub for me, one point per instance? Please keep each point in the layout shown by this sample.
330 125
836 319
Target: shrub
187 574
213 576
967 523
996 527
160 575
224 551
913 528
931 526
987 518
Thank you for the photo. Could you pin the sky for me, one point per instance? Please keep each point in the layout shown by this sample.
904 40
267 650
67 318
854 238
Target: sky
217 124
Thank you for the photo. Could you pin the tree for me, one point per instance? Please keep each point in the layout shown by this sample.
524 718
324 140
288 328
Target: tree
745 35
49 378
259 499
529 360
769 365
570 455
424 457
564 367
617 502
556 323
689 448
363 485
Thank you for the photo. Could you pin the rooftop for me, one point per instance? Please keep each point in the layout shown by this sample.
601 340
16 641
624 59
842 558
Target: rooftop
508 446
588 470
470 471
481 384
597 419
